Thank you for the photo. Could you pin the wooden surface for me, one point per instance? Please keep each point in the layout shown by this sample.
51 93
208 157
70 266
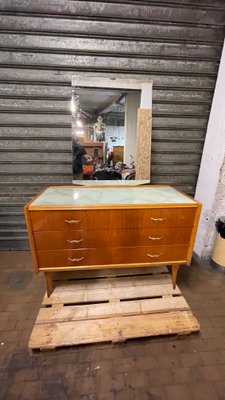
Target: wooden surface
115 236
118 154
131 307
111 255
59 220
31 238
76 239
144 133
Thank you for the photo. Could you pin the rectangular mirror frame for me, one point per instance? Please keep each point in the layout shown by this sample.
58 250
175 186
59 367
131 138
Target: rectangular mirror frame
144 116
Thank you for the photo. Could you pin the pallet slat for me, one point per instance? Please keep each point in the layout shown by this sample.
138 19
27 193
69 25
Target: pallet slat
112 329
111 282
96 295
102 273
58 313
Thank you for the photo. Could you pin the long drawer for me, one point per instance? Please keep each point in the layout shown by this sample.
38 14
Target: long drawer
112 219
111 238
111 256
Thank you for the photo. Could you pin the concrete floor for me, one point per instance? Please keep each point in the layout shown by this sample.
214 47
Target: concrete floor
177 368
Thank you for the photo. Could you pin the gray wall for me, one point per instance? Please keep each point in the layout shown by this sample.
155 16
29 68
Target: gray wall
177 43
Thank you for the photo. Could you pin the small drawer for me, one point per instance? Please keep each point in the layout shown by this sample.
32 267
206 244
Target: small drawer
152 255
164 217
55 240
156 236
58 220
71 258
70 220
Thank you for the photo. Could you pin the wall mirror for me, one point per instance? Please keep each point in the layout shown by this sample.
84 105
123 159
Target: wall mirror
111 130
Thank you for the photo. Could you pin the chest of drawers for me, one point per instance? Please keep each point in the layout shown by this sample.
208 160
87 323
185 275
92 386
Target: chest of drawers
74 228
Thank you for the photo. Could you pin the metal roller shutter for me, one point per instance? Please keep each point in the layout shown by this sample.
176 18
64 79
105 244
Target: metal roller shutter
177 43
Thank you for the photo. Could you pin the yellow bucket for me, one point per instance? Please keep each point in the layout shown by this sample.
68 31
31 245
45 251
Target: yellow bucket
218 255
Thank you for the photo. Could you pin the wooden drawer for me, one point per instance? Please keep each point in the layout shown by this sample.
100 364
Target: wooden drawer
112 219
110 256
111 238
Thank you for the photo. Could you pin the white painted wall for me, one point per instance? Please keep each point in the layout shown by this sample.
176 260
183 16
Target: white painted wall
211 183
132 104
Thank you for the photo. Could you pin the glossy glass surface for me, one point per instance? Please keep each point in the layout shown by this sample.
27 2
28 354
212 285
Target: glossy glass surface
90 196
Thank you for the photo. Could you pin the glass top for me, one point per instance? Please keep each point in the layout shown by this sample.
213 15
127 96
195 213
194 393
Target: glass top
90 196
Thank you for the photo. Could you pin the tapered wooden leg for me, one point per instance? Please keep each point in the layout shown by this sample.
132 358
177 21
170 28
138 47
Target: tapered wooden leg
175 269
48 280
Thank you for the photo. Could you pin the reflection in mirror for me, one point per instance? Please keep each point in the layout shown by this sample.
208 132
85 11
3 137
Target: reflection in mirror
104 124
104 128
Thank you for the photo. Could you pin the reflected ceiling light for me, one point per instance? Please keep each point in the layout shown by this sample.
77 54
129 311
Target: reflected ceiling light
79 123
74 103
79 133
73 108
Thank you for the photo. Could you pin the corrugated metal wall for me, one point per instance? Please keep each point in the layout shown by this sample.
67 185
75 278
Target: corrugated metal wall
177 43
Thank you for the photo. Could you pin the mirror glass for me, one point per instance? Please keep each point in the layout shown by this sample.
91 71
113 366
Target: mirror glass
105 130
102 149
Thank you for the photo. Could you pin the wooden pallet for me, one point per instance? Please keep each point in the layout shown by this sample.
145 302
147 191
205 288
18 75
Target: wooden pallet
102 306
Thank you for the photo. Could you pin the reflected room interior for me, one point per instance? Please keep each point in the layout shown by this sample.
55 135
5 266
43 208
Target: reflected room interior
104 128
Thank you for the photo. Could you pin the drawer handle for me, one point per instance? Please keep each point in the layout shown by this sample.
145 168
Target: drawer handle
75 241
156 238
157 219
75 259
154 255
72 221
